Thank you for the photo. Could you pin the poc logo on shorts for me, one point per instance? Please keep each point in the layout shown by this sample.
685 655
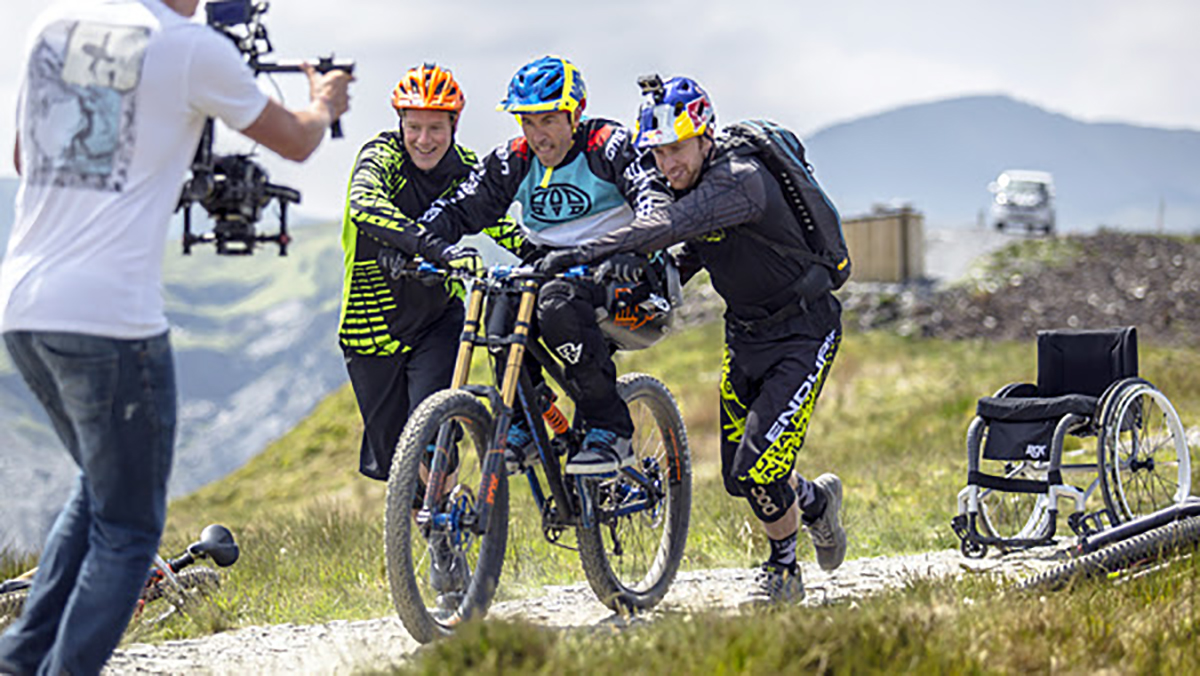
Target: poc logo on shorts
559 203
759 494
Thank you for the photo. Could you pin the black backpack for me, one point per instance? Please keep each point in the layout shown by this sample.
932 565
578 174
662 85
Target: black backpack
783 154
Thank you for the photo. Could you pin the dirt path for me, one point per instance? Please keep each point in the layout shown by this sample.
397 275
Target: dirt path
341 647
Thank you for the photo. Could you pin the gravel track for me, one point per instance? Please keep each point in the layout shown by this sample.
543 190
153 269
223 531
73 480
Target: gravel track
342 647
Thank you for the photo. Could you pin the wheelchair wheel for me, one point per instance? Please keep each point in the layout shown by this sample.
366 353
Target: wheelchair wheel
1144 459
1015 516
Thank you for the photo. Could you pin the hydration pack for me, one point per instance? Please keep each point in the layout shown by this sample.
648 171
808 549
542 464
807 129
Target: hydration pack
821 227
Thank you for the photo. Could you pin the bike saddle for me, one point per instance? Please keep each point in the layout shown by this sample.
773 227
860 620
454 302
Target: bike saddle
216 542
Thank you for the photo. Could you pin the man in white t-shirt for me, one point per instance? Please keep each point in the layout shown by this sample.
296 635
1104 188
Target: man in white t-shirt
112 101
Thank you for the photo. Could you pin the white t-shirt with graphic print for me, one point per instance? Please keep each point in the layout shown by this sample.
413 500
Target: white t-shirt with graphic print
112 102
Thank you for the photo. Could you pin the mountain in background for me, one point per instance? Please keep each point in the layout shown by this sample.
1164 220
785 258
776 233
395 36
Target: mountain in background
255 349
939 157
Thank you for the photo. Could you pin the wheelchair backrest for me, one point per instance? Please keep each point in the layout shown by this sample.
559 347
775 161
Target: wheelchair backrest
1085 361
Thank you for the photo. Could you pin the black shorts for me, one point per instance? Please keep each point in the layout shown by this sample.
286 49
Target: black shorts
768 392
388 389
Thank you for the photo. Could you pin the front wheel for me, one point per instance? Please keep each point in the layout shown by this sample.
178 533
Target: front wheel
187 584
633 550
442 574
187 587
11 604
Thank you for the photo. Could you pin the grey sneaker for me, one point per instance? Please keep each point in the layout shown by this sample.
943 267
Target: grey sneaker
449 572
828 536
602 452
775 585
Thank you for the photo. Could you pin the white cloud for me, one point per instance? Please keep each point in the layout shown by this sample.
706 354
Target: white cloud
808 64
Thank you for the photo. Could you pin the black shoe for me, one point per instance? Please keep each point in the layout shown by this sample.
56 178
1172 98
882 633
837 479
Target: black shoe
602 452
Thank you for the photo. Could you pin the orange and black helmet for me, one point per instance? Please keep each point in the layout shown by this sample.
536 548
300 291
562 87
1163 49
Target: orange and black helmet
428 87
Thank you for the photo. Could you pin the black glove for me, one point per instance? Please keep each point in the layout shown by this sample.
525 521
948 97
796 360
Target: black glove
462 258
622 267
559 260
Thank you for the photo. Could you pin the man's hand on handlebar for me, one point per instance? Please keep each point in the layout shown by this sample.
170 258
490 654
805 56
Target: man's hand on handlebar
559 260
462 259
622 267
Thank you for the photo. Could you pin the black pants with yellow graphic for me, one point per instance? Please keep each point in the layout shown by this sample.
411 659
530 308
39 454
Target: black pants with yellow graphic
389 388
768 391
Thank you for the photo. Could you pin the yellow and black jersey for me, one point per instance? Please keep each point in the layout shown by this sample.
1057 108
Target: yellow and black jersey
382 312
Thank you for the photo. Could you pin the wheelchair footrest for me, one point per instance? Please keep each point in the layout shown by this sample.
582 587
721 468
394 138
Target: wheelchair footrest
1086 525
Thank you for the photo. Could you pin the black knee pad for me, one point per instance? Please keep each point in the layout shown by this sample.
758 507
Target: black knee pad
554 299
769 502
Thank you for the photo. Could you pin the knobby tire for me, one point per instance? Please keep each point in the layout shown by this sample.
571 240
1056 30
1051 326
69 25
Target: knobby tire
638 580
1153 545
406 548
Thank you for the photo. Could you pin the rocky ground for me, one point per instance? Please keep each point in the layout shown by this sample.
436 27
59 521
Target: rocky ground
1094 281
342 647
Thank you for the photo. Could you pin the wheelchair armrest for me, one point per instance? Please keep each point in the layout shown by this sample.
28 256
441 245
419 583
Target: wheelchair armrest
1017 390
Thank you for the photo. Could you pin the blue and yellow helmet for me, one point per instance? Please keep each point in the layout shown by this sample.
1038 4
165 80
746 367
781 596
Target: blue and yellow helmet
545 85
672 111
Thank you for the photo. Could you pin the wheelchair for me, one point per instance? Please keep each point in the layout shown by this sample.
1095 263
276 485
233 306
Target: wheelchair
1027 440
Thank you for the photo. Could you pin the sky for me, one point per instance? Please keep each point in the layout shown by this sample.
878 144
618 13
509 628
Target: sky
805 64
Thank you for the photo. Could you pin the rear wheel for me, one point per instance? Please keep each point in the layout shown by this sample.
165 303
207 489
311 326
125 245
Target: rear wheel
411 550
1145 462
632 552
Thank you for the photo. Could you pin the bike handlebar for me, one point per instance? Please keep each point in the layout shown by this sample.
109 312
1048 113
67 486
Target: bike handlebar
496 272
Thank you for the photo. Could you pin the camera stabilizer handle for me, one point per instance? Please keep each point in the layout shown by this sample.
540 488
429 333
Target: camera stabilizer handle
323 64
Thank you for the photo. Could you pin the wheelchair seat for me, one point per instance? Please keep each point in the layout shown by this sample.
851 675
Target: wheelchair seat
1075 367
1087 386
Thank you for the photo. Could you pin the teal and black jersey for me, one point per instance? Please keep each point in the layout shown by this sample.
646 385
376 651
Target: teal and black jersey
597 188
382 312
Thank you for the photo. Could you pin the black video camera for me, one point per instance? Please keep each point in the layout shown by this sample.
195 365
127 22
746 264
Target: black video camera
234 189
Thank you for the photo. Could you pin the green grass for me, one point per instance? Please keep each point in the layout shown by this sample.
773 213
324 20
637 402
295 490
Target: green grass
968 626
891 422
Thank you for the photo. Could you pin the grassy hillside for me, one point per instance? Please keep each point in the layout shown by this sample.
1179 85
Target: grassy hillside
891 422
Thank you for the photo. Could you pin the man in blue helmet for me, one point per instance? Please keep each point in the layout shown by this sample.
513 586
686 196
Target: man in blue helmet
782 328
574 180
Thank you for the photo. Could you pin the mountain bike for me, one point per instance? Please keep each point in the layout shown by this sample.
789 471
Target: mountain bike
446 521
1133 546
167 578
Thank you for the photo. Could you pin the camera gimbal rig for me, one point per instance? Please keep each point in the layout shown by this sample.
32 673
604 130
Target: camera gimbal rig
233 189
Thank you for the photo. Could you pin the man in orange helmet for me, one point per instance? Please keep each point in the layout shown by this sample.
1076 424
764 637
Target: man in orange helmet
399 334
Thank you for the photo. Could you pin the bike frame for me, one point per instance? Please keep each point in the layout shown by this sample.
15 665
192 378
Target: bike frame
572 508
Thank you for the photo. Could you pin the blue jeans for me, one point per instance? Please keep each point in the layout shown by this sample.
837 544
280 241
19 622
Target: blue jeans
112 403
